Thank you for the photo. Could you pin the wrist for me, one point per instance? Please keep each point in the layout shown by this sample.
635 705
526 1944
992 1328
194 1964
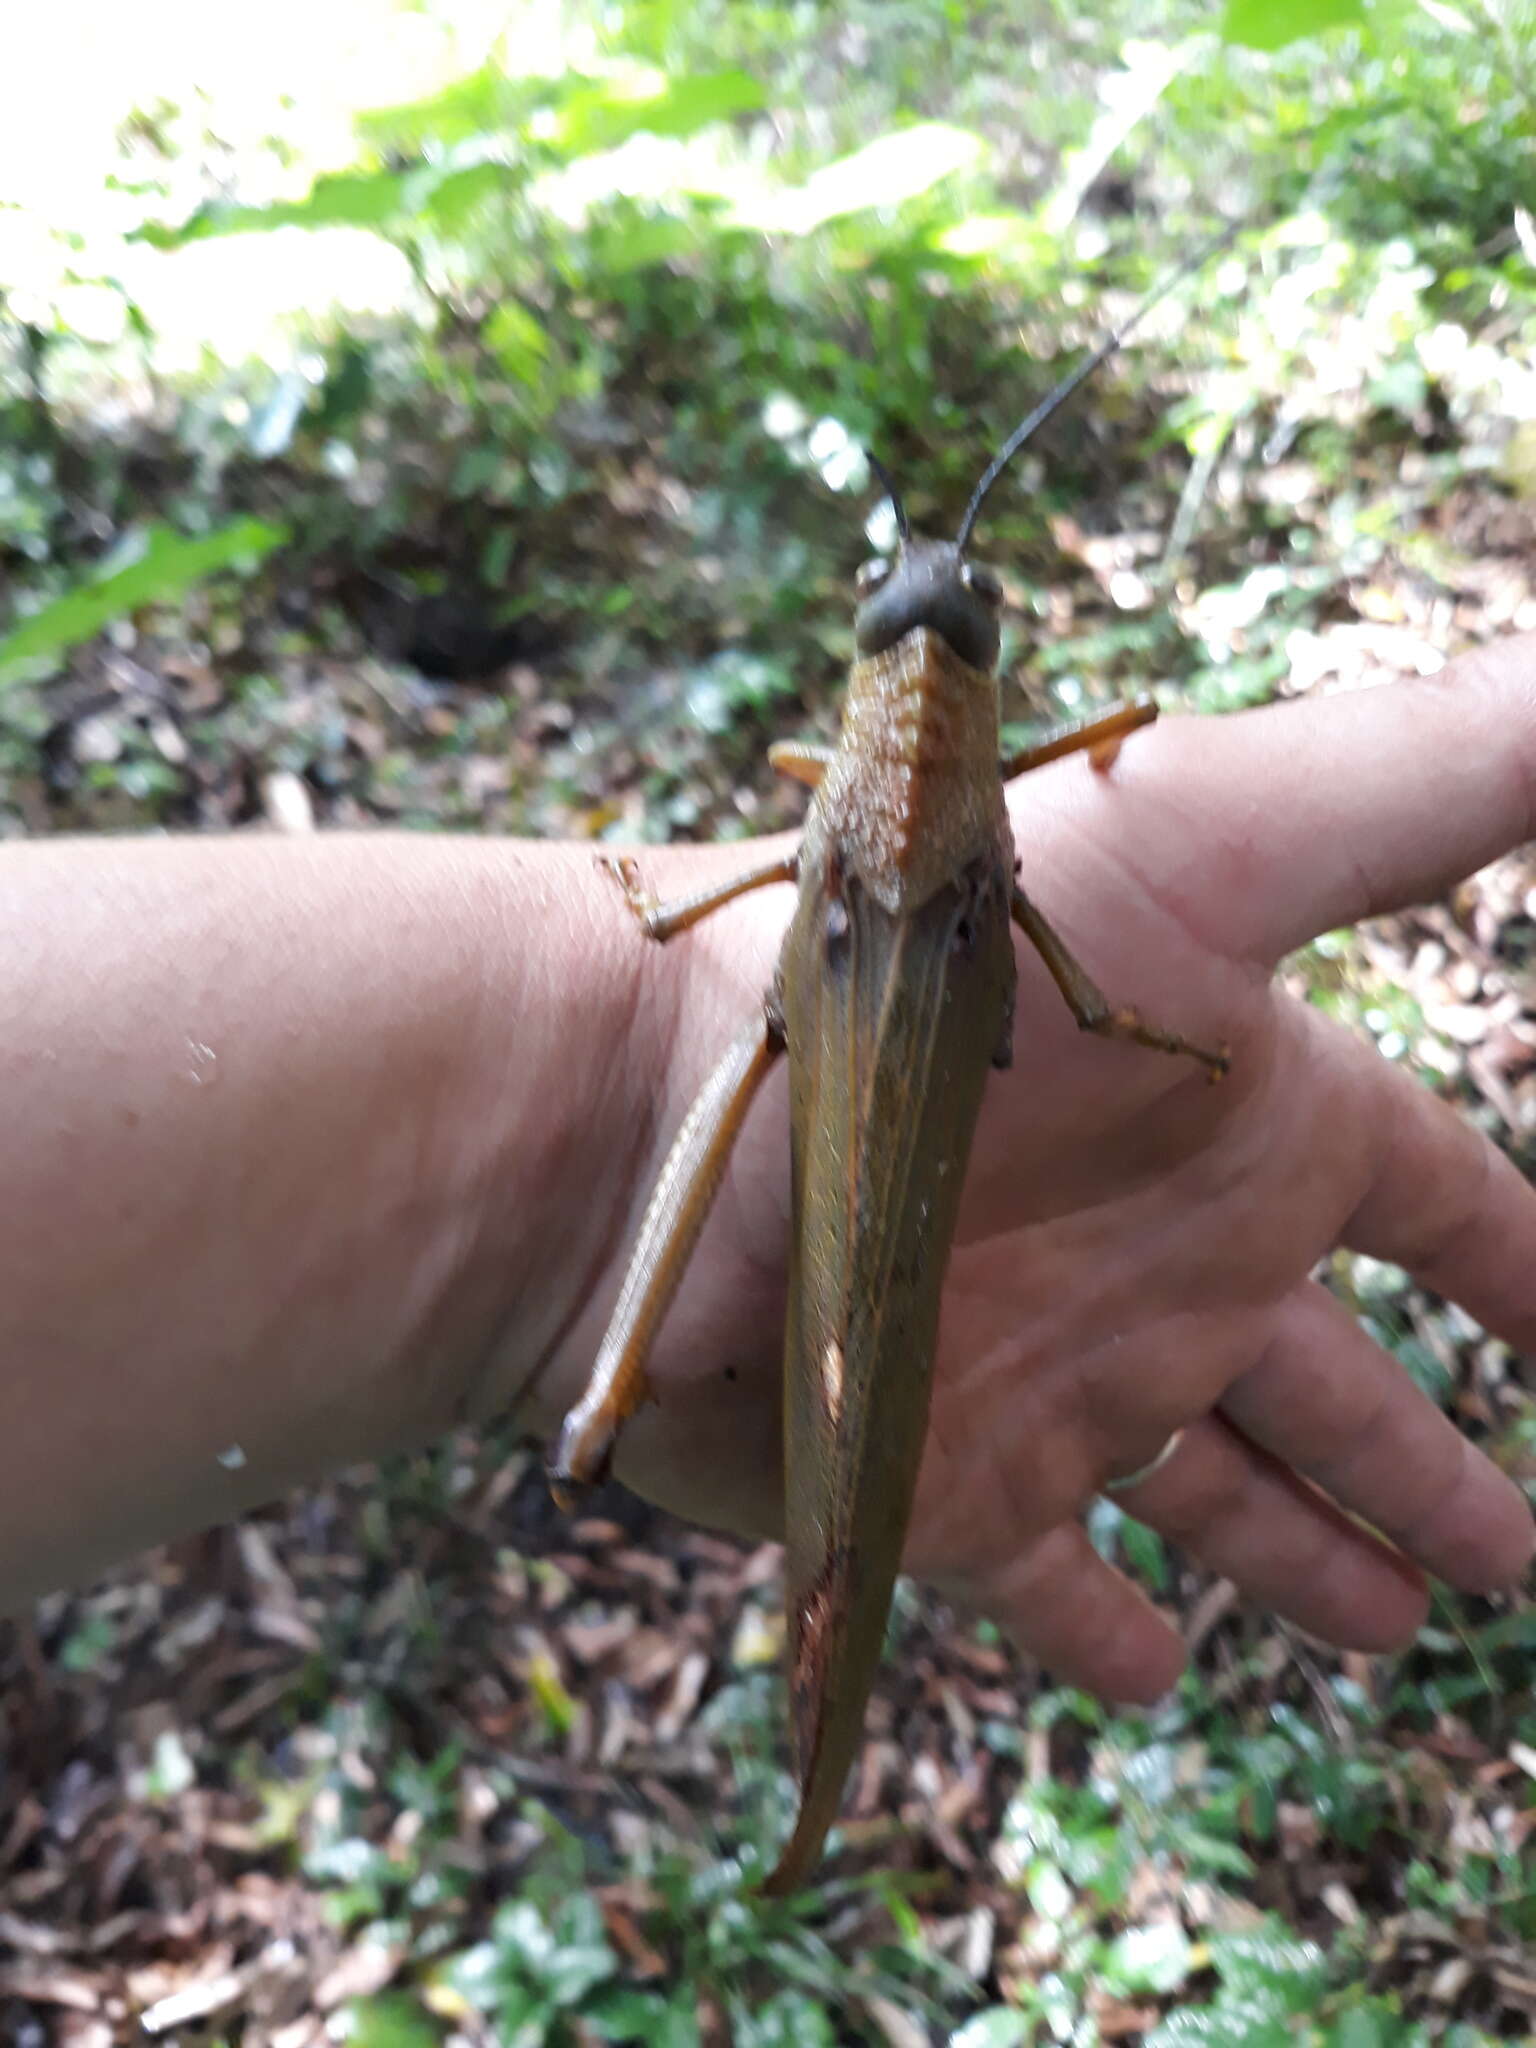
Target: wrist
617 1035
563 1042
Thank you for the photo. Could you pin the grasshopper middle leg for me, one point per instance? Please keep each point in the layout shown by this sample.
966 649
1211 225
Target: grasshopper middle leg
1088 1003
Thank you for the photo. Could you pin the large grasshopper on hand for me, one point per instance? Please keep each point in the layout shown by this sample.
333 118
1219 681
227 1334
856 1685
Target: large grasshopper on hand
893 995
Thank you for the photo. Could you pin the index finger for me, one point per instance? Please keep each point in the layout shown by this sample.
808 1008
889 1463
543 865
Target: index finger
1303 817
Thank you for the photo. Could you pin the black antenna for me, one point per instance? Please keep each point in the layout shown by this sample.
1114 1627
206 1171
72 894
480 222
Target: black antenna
883 478
1054 400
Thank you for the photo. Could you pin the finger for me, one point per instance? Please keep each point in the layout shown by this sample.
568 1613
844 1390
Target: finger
1316 814
1251 1519
1086 1623
1327 1400
1443 1201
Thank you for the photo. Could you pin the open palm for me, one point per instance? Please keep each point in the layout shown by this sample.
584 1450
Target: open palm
1136 1246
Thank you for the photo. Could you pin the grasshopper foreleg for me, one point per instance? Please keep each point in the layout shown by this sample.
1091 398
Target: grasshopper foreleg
673 1219
1101 735
1088 1003
663 921
802 760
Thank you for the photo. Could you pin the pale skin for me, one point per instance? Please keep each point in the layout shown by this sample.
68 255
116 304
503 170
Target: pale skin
444 1073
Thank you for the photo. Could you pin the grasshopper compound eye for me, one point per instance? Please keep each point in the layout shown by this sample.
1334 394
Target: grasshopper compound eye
871 575
984 582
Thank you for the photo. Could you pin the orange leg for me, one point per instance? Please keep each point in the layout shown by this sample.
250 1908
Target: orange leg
663 921
803 760
1088 1003
674 1217
1101 735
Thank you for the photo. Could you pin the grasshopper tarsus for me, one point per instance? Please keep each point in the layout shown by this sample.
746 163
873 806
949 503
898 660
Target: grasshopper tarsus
564 1495
1129 1024
576 1462
642 905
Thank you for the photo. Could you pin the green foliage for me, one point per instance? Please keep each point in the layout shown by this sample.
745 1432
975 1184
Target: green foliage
548 1964
393 2020
1271 24
537 1970
1269 1987
150 566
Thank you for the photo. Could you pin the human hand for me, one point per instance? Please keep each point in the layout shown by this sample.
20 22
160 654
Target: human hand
1135 1246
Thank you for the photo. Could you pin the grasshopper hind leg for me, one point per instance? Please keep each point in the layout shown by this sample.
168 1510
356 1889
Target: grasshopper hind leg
674 1216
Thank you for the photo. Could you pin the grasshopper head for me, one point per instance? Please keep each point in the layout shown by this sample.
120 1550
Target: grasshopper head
929 583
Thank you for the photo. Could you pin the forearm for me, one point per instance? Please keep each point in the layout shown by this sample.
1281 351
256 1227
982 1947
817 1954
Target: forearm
311 1147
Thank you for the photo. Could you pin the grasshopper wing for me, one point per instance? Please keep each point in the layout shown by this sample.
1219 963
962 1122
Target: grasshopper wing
892 1020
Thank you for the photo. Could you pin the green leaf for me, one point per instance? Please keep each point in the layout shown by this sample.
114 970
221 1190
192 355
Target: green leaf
787 2020
1365 2026
155 565
391 2021
516 340
1271 24
645 2016
343 199
885 173
548 1689
1157 1958
644 103
999 2026
1271 1967
484 102
455 197
1145 1553
633 244
1224 2026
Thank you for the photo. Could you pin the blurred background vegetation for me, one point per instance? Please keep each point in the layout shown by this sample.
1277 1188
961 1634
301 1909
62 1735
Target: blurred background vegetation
453 415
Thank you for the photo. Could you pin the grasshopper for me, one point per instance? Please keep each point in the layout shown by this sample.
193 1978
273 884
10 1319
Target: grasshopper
893 996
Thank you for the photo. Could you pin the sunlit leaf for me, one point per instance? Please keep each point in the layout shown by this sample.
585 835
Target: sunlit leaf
516 340
1000 2026
1157 1958
637 244
1271 24
159 565
458 196
345 199
544 1680
1008 238
887 172
1272 1965
485 102
644 103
